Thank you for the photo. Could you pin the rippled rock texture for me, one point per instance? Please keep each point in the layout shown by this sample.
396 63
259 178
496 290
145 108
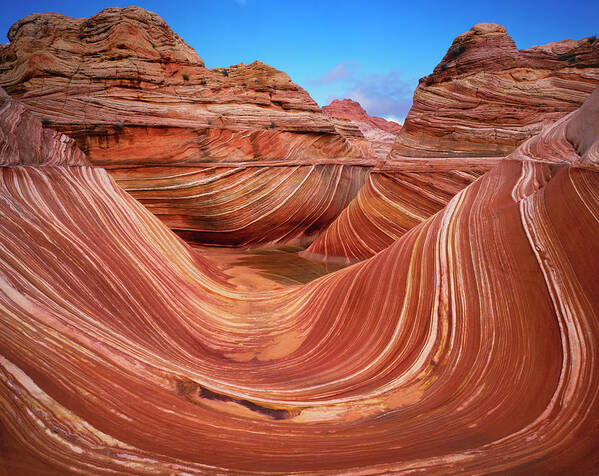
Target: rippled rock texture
486 97
395 198
183 138
468 345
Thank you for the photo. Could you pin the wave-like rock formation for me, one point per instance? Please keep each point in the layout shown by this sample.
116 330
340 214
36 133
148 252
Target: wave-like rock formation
243 206
395 198
24 142
141 103
470 345
378 131
486 97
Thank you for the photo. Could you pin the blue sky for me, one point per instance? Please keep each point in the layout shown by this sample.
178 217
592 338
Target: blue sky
371 51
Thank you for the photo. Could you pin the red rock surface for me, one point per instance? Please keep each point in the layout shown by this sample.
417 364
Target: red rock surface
394 199
353 111
492 97
240 206
140 102
123 351
25 142
379 132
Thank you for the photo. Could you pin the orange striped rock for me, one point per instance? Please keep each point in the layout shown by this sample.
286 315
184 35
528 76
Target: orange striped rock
483 99
393 200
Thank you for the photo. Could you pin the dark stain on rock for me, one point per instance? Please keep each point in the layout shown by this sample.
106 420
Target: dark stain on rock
190 390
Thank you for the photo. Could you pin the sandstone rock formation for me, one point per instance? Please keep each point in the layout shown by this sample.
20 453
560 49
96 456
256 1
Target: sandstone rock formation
181 137
486 97
123 351
395 198
353 111
190 142
24 142
378 131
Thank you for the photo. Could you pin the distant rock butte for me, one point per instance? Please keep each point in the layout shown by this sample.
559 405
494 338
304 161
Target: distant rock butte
378 131
353 111
486 97
140 102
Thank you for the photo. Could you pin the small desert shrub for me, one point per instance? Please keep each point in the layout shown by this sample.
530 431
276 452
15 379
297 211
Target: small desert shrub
443 66
563 57
46 122
272 125
592 39
185 77
203 82
572 59
244 85
118 125
225 72
209 123
457 50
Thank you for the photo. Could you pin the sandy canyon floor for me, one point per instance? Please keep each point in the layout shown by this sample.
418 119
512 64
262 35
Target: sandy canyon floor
265 269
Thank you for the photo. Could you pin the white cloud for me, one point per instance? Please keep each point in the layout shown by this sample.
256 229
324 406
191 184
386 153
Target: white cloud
394 119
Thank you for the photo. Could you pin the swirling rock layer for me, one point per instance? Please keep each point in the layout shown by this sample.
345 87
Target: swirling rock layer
245 205
469 345
481 101
24 142
394 199
136 98
486 97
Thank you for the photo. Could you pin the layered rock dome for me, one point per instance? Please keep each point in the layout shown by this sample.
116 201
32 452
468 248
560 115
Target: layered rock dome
481 101
184 139
486 97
